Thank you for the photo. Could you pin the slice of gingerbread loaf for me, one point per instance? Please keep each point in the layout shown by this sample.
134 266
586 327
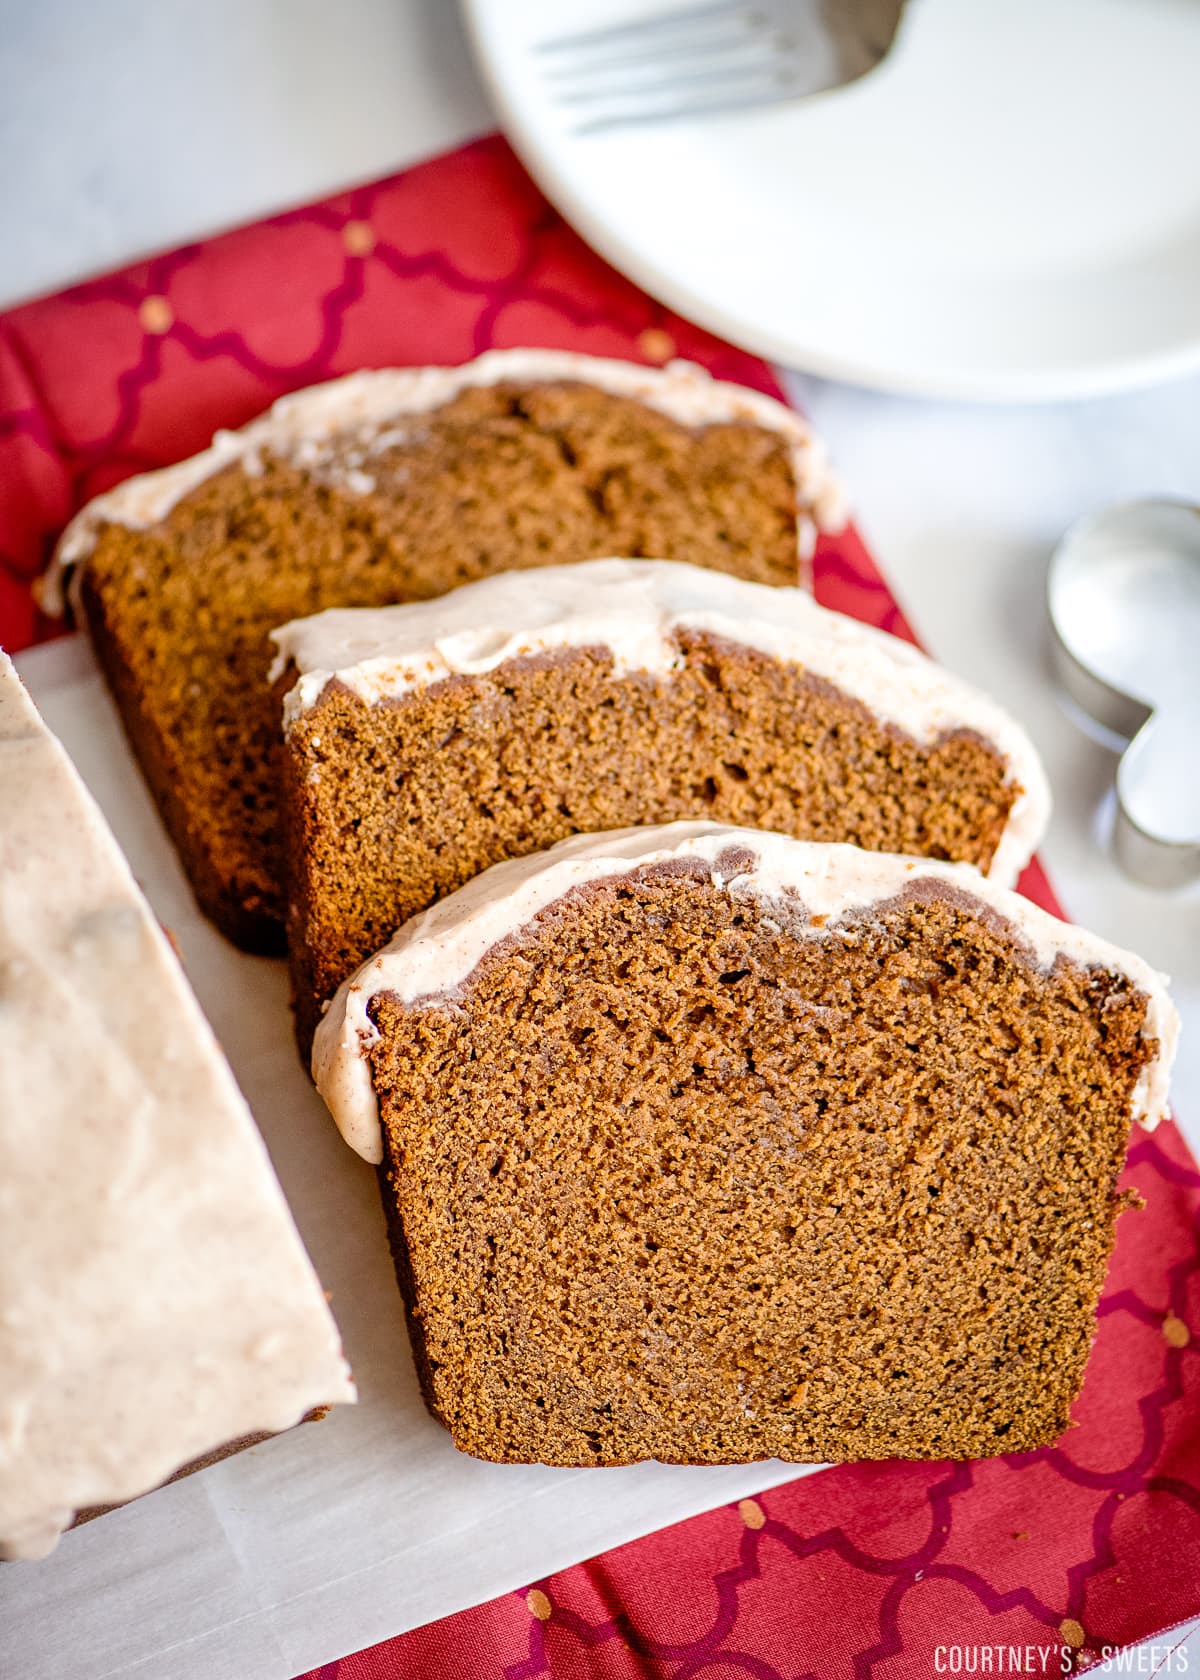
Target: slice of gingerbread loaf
157 1306
390 486
708 1145
424 743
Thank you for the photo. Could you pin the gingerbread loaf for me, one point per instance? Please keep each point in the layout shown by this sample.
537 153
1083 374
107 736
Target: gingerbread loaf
424 743
157 1307
706 1145
390 486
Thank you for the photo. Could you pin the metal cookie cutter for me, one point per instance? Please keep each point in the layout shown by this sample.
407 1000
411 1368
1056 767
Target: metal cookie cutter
1124 597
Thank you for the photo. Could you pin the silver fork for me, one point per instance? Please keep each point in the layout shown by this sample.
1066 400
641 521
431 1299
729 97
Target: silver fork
718 55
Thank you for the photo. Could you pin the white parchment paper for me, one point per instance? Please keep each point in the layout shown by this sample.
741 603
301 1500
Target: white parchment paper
341 1533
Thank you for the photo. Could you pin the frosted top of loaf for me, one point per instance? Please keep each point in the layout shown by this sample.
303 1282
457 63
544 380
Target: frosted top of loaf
437 951
359 406
156 1301
633 609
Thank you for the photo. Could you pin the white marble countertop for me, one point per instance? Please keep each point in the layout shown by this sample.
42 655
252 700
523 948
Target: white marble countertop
131 127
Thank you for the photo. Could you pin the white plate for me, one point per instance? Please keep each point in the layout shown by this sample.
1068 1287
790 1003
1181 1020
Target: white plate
1008 208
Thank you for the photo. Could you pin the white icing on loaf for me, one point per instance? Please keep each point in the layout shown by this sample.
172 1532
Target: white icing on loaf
156 1301
361 404
633 608
437 951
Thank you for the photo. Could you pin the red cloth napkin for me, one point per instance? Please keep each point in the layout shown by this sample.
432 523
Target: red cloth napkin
1032 1564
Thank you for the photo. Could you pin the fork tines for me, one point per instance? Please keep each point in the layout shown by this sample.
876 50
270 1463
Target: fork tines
718 55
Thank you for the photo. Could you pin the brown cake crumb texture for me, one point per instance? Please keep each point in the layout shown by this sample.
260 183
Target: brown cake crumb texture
665 1181
500 478
391 806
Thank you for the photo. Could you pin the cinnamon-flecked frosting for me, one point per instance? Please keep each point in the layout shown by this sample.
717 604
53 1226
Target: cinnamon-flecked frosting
435 953
634 609
360 413
156 1301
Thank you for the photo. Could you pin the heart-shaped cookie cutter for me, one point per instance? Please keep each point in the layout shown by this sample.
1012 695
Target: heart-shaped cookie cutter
1124 598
